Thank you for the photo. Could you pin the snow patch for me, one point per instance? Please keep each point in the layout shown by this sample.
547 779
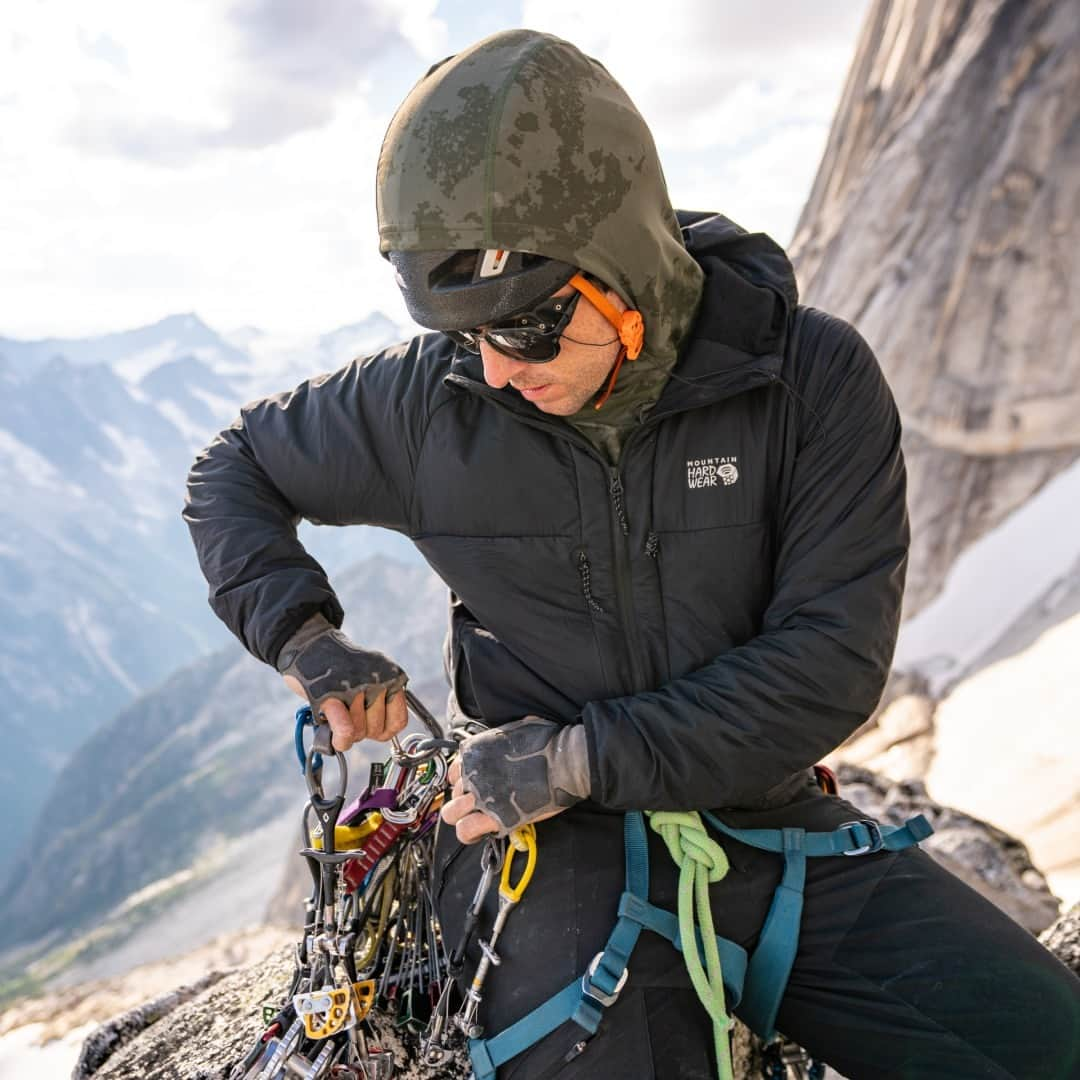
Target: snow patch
24 1052
174 413
1006 745
274 352
993 583
224 407
28 463
33 469
218 360
139 364
136 455
84 630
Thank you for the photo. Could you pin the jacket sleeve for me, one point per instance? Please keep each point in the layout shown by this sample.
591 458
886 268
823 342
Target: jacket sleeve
727 733
339 449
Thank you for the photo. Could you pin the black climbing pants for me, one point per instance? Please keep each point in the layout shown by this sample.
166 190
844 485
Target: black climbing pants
903 972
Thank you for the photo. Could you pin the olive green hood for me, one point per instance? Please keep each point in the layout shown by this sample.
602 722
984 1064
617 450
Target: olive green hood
523 142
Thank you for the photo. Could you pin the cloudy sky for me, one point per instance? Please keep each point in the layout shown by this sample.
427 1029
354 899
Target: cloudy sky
218 156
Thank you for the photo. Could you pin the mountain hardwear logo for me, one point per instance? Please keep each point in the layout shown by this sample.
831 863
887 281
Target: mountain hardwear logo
711 472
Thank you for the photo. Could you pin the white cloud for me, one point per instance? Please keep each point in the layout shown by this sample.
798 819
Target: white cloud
217 183
738 96
697 60
285 237
764 187
97 241
170 82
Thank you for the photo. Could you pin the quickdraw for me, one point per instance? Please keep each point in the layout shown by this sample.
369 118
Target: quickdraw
372 942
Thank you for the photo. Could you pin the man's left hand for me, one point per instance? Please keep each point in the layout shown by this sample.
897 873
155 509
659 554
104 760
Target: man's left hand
524 771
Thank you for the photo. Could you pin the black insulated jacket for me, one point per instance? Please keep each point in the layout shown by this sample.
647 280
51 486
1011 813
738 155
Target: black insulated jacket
720 610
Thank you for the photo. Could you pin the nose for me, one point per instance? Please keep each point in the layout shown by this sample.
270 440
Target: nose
498 369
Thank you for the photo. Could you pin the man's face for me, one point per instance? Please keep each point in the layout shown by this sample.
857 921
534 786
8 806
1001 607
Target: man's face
587 352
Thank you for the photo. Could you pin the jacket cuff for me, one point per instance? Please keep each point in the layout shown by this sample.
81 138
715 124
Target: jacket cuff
570 762
595 788
313 621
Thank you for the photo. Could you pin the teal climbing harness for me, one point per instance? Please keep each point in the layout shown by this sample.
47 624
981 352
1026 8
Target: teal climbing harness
373 942
755 987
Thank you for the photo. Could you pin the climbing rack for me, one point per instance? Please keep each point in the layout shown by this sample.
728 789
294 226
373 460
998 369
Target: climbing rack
372 942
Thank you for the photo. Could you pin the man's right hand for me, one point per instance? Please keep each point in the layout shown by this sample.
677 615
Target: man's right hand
356 690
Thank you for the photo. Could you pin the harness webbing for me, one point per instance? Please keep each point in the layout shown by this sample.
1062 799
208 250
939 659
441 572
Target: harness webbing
771 964
583 1001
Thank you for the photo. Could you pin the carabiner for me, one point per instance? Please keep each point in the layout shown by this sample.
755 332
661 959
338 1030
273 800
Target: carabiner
326 810
304 718
523 839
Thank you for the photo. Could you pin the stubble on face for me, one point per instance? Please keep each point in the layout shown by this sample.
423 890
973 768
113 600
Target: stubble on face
587 352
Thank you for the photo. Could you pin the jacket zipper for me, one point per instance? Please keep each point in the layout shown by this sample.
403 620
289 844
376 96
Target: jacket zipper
620 527
624 601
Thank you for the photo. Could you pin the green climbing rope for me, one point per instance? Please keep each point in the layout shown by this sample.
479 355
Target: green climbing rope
701 861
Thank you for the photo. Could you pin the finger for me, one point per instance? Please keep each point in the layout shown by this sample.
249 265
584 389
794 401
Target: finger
474 827
454 810
342 723
360 716
457 784
397 715
376 718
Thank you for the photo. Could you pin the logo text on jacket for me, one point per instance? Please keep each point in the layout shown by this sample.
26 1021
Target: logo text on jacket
712 471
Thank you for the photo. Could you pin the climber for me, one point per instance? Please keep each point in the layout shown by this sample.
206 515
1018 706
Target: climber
669 505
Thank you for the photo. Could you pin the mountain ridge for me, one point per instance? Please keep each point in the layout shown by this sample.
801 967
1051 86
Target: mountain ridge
174 773
95 444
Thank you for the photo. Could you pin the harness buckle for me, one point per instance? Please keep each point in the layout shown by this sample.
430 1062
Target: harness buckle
877 841
590 990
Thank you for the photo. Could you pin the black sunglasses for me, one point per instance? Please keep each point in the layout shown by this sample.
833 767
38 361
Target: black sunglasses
532 335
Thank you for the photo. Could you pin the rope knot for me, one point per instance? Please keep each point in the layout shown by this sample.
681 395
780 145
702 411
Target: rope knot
688 841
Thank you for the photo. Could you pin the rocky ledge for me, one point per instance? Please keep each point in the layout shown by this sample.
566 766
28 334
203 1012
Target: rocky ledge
198 1032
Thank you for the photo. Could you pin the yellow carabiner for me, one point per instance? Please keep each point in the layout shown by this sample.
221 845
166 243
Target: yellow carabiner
521 839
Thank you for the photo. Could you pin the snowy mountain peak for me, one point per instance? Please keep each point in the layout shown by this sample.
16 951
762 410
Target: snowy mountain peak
130 353
370 334
243 337
187 326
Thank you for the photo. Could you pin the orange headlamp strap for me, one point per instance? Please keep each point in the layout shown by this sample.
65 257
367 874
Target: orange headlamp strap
629 324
